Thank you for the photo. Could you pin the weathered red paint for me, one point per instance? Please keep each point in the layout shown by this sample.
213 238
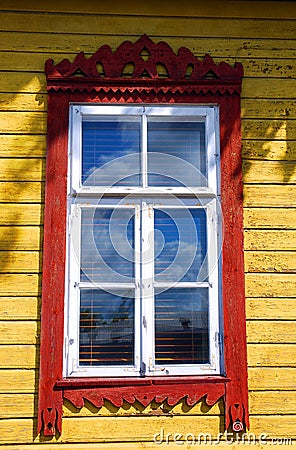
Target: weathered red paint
144 86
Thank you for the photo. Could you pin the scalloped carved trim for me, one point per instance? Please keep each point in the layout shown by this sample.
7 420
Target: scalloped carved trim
147 61
172 394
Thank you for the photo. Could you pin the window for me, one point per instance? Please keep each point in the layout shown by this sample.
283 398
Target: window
142 271
142 299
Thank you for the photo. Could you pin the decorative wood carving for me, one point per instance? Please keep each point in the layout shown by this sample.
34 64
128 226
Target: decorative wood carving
144 391
185 72
208 83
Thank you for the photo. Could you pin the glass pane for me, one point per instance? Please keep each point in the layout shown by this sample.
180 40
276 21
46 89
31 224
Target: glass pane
176 153
107 245
180 247
106 329
111 153
181 327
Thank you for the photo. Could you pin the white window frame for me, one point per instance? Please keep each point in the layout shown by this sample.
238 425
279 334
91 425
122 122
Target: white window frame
80 196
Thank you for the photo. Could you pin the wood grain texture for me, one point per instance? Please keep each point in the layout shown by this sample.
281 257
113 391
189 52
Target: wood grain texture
270 196
271 308
103 429
19 308
270 378
18 356
20 262
270 402
274 332
20 284
21 192
21 214
19 332
253 67
214 9
279 262
18 381
270 285
213 26
20 146
271 150
272 355
270 239
16 239
22 169
17 405
270 219
265 88
270 172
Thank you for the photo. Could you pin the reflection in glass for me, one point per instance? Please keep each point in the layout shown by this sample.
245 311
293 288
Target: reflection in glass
107 245
170 141
180 245
105 141
106 328
181 326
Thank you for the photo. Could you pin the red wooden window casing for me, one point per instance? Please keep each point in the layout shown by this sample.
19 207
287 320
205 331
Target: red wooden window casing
191 81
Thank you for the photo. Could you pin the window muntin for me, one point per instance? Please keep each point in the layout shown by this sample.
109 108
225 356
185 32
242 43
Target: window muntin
122 264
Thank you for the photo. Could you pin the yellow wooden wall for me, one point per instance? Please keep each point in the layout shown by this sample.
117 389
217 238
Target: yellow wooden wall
261 35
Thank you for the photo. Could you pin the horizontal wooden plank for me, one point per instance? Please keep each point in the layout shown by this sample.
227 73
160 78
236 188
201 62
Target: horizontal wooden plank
32 169
269 150
21 214
17 405
18 356
271 355
270 240
18 308
20 285
27 122
22 146
271 402
23 102
272 109
18 380
270 378
269 172
274 426
222 47
281 262
253 67
21 192
207 26
213 9
271 195
250 108
25 82
142 429
281 218
223 445
274 332
281 129
109 429
270 285
15 239
20 262
271 308
19 332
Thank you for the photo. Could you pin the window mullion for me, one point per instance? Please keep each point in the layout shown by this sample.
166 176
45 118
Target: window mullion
147 273
144 156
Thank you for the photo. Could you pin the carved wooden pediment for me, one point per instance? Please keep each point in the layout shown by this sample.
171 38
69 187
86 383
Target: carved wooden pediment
144 65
